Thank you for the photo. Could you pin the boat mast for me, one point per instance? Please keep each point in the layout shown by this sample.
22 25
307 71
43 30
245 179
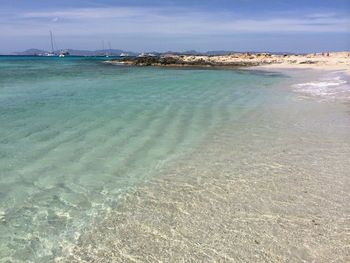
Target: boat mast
51 37
110 49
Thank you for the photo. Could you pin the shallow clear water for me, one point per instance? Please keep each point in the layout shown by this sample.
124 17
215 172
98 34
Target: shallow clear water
268 186
75 134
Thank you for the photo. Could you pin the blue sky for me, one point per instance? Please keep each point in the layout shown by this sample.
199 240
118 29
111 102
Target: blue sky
161 25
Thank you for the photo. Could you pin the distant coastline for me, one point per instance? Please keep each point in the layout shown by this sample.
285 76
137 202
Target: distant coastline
118 52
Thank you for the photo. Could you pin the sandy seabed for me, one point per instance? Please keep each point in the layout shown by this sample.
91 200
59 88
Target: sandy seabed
271 187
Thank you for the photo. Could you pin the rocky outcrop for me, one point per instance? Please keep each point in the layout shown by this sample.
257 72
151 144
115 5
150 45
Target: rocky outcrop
182 61
237 60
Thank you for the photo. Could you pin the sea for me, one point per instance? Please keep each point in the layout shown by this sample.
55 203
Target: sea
114 163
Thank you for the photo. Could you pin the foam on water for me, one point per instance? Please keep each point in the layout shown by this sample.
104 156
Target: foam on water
332 86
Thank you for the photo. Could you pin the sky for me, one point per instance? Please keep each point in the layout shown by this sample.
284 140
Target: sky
163 25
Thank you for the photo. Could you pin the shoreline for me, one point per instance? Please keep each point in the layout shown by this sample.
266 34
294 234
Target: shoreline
328 68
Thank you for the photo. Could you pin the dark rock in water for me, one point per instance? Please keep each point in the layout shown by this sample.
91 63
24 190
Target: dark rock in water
170 61
179 61
147 61
308 62
314 222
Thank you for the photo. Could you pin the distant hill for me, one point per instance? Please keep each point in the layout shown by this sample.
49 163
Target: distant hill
188 52
30 52
219 52
112 52
117 52
76 52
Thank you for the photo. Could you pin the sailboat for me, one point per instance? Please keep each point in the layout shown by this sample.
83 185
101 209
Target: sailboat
104 52
110 50
52 53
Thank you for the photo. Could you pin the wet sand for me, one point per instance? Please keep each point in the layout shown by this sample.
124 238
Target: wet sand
320 67
271 187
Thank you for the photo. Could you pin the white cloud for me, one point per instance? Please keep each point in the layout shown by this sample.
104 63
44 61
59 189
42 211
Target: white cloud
322 15
166 21
88 13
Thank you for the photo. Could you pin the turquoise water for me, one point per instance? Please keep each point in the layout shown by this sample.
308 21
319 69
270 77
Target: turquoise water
76 133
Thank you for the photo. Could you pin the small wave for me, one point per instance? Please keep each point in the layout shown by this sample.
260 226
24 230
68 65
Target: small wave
332 86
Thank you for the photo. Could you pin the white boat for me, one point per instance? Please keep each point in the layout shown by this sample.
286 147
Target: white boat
63 53
124 55
146 55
